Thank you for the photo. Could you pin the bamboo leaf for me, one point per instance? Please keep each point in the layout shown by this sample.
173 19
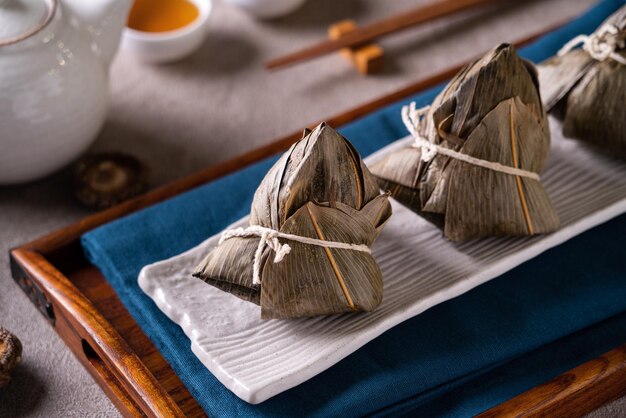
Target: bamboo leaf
483 202
558 75
315 280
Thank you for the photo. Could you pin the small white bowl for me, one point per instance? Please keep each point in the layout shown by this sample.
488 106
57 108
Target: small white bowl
169 46
267 9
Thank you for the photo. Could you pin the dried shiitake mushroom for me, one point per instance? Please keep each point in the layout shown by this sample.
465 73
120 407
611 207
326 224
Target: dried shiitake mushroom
106 179
10 355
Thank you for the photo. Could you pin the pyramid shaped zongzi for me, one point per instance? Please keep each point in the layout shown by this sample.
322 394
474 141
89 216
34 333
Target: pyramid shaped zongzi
481 145
322 202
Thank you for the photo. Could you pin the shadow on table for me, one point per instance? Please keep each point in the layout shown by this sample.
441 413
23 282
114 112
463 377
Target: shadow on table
23 394
172 150
223 53
453 27
320 13
53 192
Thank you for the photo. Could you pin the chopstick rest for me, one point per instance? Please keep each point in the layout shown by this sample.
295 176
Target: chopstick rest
367 58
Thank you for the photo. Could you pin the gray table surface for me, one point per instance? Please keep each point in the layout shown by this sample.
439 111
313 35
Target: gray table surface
212 106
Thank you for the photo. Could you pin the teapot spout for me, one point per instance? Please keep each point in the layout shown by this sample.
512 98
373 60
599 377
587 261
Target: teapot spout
104 20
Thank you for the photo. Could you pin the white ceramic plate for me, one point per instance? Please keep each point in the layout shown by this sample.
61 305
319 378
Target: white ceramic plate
258 359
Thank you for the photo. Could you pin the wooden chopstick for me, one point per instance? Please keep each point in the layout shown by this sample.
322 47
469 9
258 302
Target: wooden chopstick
377 29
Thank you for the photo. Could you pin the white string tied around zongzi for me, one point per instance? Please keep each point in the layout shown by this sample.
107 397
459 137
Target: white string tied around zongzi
269 237
414 120
600 45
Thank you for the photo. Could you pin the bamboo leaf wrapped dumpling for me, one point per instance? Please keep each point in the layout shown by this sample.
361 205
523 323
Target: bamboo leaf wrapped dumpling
313 219
586 87
474 168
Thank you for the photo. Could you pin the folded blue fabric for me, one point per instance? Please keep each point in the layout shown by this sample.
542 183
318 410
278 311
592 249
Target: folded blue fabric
459 358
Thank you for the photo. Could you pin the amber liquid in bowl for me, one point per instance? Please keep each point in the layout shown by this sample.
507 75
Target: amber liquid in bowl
161 15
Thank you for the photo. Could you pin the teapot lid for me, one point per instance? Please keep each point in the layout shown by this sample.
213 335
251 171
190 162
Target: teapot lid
21 19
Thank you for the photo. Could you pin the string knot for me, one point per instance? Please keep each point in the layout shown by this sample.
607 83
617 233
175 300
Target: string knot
415 121
600 45
269 237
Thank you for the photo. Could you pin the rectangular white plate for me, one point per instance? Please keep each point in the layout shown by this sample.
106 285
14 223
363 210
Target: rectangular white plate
258 359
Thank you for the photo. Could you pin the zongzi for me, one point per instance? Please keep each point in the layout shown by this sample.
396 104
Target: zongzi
474 167
586 87
313 220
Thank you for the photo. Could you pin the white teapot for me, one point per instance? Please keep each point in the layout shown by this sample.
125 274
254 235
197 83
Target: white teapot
54 60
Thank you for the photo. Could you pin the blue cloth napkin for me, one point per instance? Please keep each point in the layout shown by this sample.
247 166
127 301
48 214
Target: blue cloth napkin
457 359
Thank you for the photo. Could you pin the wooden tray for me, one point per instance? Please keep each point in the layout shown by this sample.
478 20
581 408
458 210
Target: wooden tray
88 315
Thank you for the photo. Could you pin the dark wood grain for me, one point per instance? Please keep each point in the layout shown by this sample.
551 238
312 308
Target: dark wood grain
89 281
572 394
377 29
89 316
96 343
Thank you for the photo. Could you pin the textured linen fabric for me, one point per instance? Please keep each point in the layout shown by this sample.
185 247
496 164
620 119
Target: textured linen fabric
458 358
